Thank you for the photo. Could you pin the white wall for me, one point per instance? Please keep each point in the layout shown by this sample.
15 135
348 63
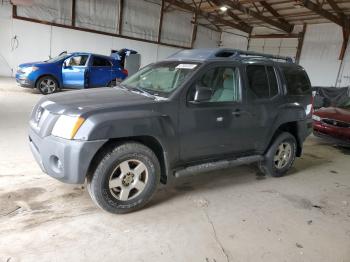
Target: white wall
232 40
320 53
344 72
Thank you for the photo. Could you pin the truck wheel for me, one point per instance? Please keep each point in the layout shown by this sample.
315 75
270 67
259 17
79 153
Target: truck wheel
125 179
47 85
280 156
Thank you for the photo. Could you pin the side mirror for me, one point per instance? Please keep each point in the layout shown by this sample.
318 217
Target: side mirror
65 64
202 94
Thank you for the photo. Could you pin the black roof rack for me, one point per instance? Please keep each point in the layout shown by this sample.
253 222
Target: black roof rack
210 53
239 53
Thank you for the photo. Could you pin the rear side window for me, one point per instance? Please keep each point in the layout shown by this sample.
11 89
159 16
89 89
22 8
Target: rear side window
272 80
297 81
262 81
100 61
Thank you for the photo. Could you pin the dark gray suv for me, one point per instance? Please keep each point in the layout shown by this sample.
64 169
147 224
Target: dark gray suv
199 110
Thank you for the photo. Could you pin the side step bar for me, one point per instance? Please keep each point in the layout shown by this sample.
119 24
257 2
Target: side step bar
211 166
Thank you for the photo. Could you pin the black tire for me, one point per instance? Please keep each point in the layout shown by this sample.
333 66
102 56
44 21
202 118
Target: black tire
112 83
99 183
271 166
47 85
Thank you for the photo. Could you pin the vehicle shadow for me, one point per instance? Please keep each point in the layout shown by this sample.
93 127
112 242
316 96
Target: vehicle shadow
215 180
230 178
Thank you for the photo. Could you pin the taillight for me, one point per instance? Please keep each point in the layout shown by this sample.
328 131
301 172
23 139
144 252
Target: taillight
125 72
312 101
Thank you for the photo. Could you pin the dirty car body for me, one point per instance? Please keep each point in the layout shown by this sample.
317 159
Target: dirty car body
198 110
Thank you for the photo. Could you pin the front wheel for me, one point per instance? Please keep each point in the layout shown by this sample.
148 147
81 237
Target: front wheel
125 179
280 156
47 85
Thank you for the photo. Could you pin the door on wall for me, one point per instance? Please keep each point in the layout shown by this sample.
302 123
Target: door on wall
275 46
74 71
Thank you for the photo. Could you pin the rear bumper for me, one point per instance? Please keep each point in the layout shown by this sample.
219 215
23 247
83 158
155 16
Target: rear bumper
65 160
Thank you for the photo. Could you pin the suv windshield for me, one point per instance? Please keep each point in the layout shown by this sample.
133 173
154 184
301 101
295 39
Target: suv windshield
160 79
57 58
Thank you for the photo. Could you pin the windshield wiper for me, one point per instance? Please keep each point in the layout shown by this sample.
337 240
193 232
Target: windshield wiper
142 91
139 89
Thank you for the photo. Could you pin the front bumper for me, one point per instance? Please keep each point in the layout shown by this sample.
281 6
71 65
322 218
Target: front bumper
23 81
65 160
336 135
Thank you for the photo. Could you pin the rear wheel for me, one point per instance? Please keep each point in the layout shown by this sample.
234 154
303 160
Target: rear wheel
280 156
47 85
112 83
125 179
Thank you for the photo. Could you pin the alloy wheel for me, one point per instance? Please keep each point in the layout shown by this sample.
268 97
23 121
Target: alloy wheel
128 179
283 155
47 86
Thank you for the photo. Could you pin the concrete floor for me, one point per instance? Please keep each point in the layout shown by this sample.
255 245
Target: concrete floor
231 215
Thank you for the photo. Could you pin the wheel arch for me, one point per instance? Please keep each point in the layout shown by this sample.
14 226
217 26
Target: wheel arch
151 142
292 128
50 75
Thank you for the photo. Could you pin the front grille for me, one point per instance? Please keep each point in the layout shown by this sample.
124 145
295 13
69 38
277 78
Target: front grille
336 123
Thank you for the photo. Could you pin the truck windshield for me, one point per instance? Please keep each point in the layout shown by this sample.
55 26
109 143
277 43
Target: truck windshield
160 79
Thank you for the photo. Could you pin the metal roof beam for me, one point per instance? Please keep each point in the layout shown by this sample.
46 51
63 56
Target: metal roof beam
235 17
236 5
336 8
273 12
320 11
209 16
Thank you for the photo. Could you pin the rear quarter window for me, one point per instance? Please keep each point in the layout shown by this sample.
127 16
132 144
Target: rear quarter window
297 81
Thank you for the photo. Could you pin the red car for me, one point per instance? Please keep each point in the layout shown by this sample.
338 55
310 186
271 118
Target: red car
333 123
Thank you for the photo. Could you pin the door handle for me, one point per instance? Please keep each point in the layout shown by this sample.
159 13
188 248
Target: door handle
239 112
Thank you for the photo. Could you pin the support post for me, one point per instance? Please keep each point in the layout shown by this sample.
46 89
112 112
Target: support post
300 44
14 11
73 12
161 21
120 22
194 29
346 35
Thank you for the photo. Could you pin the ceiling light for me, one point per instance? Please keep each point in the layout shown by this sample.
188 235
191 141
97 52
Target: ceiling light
223 8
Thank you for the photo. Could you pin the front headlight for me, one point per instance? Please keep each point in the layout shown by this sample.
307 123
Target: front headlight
30 69
316 118
67 126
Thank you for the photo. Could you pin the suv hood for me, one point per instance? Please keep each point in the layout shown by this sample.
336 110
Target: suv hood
84 101
335 113
31 64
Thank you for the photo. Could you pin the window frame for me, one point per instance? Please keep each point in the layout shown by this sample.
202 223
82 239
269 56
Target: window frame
204 70
100 57
86 63
298 68
278 79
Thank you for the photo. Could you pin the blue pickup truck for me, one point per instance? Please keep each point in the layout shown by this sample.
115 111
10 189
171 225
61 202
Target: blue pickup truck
75 70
